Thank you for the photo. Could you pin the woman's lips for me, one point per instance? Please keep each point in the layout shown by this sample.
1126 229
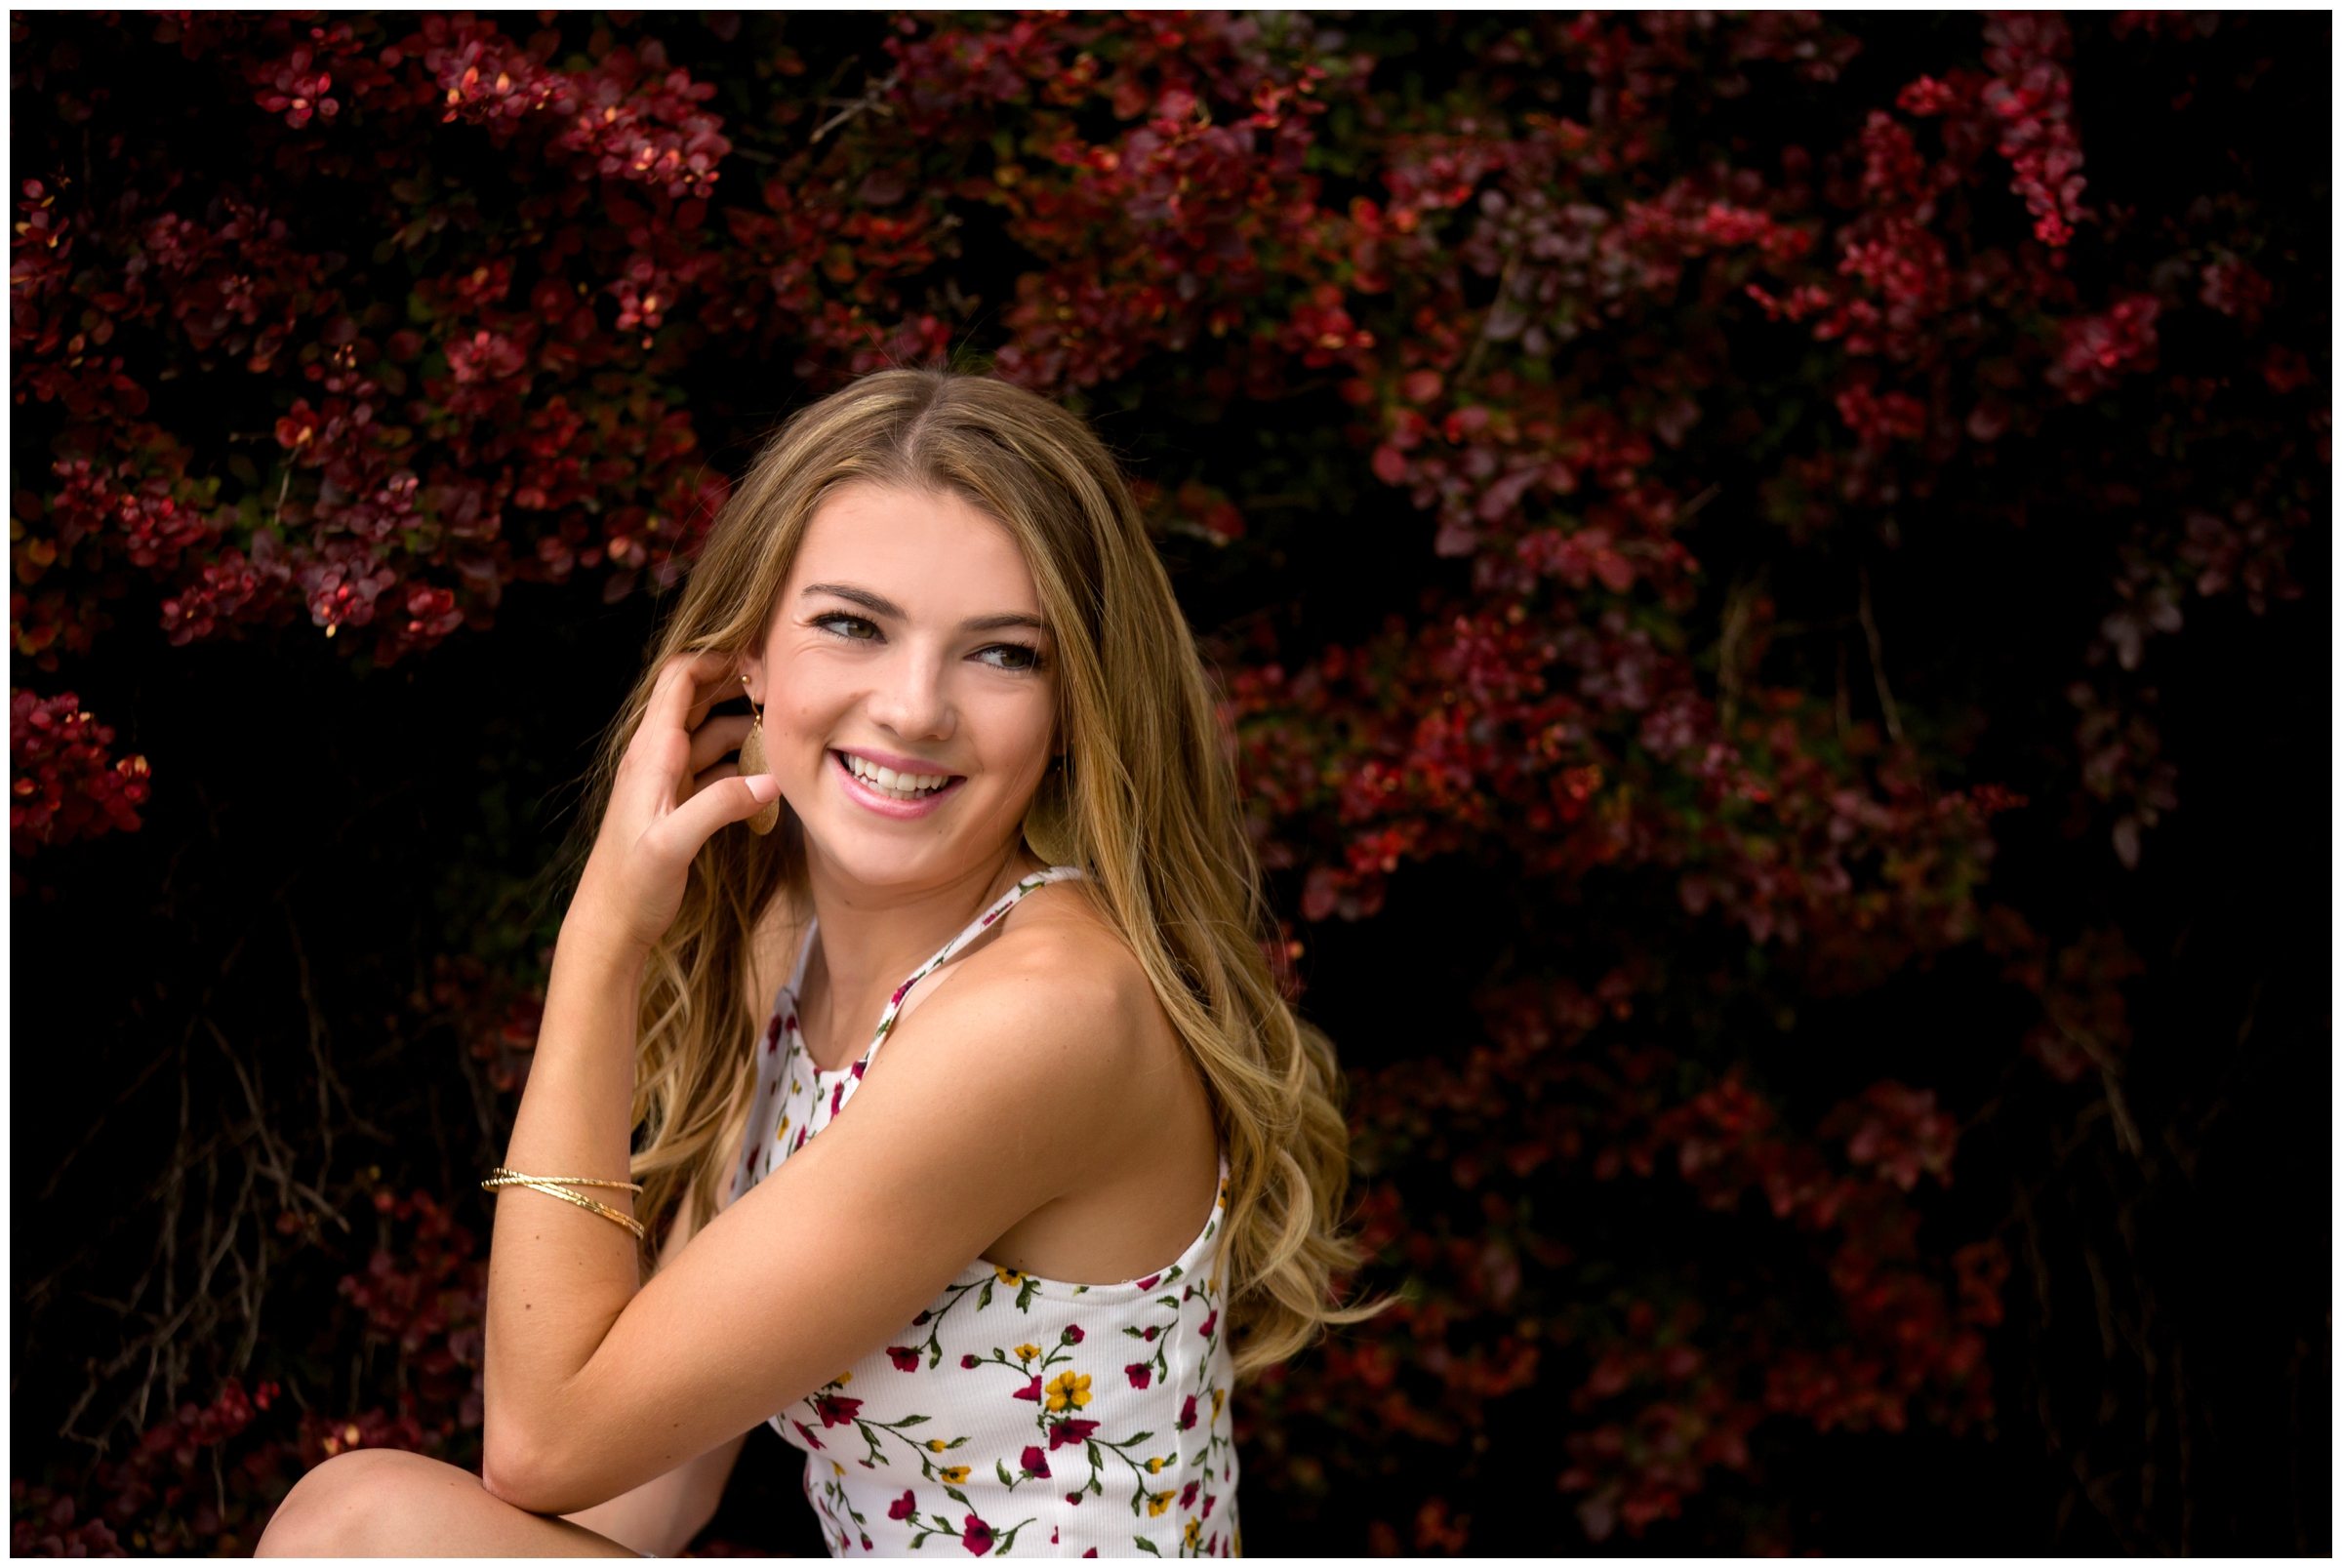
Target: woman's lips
866 795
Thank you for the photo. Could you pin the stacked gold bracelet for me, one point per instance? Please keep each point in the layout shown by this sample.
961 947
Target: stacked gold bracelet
556 1187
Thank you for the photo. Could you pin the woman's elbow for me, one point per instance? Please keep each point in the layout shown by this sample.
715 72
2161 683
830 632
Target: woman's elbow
523 1468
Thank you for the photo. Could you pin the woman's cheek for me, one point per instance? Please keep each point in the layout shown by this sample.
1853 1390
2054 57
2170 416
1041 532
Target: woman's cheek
806 708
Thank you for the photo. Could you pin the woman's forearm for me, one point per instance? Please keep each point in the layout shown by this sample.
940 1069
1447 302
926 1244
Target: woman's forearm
559 1275
662 1516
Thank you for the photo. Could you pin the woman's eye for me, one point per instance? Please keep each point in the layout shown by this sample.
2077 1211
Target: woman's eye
1010 655
852 628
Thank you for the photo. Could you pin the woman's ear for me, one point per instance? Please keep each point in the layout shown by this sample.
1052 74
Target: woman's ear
751 666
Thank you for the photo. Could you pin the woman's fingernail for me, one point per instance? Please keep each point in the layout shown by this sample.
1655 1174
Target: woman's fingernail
764 787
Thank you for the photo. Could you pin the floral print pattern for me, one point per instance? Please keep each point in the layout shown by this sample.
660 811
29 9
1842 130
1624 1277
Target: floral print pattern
1016 1413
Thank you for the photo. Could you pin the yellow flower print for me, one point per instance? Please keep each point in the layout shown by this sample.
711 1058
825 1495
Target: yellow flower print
1008 1276
1154 1466
1070 1391
1026 1352
936 1445
1219 1398
841 1380
1194 1531
1157 1503
953 1474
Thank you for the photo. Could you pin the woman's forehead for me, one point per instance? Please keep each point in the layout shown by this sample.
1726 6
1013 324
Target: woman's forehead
928 547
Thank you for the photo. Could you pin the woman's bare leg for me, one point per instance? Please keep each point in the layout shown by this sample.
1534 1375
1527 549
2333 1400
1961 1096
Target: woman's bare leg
381 1503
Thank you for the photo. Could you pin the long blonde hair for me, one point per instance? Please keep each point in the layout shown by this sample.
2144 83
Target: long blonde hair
1146 806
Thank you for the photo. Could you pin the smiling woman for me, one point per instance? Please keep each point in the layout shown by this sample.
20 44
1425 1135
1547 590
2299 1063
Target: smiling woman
1093 1173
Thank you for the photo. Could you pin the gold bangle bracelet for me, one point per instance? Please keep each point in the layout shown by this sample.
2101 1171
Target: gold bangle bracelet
501 1176
544 1185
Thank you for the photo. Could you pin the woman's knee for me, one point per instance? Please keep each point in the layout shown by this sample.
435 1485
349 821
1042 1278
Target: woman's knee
354 1504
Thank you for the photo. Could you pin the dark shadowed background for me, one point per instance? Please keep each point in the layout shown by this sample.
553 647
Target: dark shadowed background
1769 576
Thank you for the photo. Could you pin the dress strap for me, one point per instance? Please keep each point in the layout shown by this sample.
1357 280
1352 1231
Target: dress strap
950 950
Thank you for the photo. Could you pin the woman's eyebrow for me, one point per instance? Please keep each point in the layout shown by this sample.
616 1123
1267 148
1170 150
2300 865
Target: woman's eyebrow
881 604
1001 623
878 603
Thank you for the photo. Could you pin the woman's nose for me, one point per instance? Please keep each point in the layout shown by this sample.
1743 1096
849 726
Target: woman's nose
910 696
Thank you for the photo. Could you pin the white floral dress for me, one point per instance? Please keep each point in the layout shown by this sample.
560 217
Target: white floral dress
1016 1413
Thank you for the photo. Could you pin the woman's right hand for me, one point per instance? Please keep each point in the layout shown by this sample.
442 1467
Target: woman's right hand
671 793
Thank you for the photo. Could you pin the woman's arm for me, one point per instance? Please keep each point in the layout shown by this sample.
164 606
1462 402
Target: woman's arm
1001 1096
663 1515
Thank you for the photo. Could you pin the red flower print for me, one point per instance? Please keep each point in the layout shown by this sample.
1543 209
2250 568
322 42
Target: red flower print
858 1068
1070 1432
836 1408
1071 1335
837 1098
1149 1282
1035 1462
904 1359
968 1363
1208 1324
806 1432
1207 1504
1032 1391
1092 1552
1151 1331
904 1506
1140 1373
977 1536
1073 1499
1187 1414
1186 1497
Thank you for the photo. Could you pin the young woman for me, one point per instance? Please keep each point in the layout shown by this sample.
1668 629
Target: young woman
970 1129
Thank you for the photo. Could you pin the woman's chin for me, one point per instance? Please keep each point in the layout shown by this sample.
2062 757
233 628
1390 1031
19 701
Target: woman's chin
871 851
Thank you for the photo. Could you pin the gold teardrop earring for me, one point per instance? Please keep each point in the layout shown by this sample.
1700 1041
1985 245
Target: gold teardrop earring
752 762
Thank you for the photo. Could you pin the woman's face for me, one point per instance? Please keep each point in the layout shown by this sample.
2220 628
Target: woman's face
909 687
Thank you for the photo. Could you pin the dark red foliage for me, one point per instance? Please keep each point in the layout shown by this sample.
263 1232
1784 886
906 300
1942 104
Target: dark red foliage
1627 385
65 784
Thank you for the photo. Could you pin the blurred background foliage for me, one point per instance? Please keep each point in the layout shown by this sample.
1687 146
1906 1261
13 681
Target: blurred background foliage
1758 564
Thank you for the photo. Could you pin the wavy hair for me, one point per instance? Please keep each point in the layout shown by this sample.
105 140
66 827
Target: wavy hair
1147 808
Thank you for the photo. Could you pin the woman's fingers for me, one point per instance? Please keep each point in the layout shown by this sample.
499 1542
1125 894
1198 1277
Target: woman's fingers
661 758
689 681
681 832
722 770
715 739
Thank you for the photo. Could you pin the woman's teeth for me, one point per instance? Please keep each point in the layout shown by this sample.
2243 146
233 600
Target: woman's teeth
891 784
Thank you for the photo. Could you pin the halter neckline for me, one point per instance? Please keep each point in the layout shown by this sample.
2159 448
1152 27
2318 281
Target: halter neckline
943 955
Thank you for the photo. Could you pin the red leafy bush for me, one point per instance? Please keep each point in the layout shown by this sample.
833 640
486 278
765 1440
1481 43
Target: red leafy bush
1527 407
65 784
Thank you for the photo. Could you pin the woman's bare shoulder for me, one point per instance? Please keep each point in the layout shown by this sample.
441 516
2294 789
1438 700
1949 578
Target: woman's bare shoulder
1058 975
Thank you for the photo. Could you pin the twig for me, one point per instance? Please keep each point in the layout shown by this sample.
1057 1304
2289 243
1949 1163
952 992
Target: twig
871 100
1479 344
1870 631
